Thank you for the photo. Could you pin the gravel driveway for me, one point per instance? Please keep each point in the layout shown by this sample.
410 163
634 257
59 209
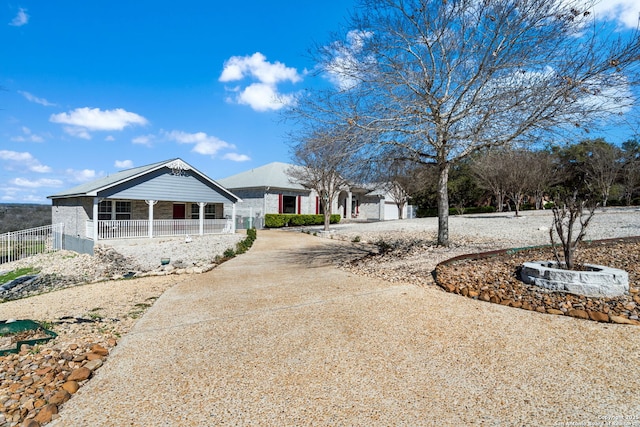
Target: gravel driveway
279 336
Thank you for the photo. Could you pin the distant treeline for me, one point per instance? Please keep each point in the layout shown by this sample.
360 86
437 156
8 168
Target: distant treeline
14 217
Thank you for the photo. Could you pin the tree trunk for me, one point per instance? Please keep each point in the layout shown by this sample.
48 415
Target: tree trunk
499 200
326 210
443 204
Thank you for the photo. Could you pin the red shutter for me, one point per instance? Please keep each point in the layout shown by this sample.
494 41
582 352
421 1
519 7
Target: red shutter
299 205
279 203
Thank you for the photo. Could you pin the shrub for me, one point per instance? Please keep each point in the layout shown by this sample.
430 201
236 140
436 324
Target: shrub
284 220
275 220
243 245
229 253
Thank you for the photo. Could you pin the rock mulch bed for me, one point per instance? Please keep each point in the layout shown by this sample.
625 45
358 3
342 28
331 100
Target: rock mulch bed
495 279
36 381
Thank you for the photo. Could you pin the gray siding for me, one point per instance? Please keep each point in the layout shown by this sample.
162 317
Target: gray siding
162 185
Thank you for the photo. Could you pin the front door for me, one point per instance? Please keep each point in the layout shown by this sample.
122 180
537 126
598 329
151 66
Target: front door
179 211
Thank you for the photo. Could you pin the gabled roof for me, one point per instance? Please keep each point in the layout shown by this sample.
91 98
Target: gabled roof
92 188
272 175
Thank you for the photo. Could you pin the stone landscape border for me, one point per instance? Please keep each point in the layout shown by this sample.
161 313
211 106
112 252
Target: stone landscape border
461 289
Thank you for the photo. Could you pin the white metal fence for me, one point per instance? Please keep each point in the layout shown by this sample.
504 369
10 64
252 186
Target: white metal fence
249 218
20 244
131 229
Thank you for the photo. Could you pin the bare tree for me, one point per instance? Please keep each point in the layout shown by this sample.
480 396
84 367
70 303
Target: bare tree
593 166
565 215
544 173
394 176
325 161
602 167
487 167
439 80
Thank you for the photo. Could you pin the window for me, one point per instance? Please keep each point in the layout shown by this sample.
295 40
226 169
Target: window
288 204
209 211
106 210
123 210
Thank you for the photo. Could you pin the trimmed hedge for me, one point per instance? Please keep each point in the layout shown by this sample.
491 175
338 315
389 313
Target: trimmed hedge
286 220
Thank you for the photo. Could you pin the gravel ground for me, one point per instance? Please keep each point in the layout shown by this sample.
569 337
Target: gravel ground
198 251
279 336
416 254
249 345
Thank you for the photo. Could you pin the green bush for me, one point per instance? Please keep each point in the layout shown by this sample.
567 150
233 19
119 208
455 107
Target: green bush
243 245
285 220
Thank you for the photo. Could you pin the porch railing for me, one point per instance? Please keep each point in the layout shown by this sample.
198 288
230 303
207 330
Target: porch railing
20 244
139 228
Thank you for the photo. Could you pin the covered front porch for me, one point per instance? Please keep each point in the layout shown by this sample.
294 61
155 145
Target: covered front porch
126 219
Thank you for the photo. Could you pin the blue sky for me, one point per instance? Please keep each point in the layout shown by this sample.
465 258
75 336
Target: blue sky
91 88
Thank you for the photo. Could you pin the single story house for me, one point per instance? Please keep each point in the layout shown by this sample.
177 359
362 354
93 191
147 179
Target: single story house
167 198
269 189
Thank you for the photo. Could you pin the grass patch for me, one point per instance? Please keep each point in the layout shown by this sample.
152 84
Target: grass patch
7 277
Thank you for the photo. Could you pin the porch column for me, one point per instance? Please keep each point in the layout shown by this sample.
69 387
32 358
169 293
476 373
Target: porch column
96 202
233 219
349 201
201 216
151 203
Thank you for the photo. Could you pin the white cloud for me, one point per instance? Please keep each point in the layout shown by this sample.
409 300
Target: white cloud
263 93
236 157
20 19
77 132
84 120
19 160
109 138
33 98
143 140
123 164
83 175
38 183
15 156
625 12
342 70
263 97
257 66
202 143
27 136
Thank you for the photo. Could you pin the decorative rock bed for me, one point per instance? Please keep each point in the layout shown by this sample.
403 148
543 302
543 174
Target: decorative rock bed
495 277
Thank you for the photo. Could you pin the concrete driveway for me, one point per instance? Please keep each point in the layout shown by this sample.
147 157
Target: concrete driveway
280 336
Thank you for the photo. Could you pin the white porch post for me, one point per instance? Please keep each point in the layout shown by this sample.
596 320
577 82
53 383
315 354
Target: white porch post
233 219
349 201
201 217
151 203
96 202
